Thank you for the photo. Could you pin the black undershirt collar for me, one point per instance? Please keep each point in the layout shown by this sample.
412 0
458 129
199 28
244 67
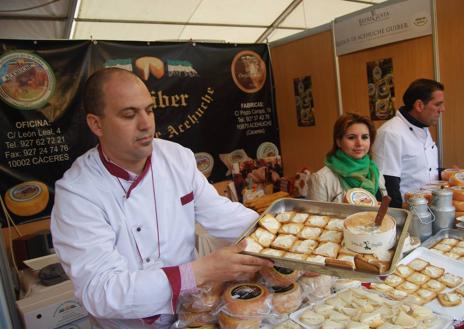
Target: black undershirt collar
410 118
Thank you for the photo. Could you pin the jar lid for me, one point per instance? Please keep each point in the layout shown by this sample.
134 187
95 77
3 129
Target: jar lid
417 200
442 192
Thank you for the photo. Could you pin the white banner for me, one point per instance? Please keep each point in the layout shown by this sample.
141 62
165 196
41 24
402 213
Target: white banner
383 24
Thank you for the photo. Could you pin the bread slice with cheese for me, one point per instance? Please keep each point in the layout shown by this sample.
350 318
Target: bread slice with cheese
418 264
272 252
291 228
426 295
449 299
332 236
270 223
434 285
285 217
263 237
309 232
303 246
317 221
252 245
284 241
433 271
327 249
299 218
450 280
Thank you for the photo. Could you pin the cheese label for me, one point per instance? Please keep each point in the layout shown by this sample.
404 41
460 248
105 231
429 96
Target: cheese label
25 192
26 80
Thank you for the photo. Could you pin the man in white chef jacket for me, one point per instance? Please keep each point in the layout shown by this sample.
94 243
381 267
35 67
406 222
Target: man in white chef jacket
404 150
123 223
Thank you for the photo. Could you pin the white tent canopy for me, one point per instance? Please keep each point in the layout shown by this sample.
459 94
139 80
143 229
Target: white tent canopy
232 21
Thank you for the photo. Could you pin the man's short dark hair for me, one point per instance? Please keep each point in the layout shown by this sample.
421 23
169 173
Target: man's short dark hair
420 89
93 98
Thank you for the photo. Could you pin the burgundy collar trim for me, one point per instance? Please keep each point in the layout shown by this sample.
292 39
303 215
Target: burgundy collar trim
119 172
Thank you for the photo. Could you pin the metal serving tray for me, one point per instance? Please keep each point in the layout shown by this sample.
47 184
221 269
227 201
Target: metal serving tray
340 210
443 234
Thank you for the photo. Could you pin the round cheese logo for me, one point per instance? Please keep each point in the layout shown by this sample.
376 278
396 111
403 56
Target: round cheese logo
26 80
248 71
27 199
205 163
266 150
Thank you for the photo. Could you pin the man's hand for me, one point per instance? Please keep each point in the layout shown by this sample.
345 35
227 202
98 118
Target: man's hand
227 264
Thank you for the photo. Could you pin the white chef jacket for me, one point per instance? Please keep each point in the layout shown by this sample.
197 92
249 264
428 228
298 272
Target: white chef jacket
121 248
404 150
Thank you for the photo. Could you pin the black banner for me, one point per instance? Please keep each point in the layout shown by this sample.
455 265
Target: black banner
216 99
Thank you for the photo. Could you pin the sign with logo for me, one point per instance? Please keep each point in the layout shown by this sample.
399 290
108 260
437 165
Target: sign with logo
215 99
383 24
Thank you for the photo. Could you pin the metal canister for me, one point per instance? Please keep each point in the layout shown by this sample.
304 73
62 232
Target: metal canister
422 218
443 209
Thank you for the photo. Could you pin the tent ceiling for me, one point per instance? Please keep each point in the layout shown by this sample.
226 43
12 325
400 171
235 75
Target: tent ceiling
234 21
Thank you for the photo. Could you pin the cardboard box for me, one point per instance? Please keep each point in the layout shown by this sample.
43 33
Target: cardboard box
52 307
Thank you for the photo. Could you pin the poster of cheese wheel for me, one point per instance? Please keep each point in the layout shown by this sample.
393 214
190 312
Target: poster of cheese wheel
211 98
42 126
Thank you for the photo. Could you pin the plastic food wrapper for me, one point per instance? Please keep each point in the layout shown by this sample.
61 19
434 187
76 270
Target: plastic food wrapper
204 299
188 318
317 287
228 159
199 308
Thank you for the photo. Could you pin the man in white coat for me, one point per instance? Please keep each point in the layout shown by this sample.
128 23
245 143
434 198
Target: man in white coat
123 223
404 150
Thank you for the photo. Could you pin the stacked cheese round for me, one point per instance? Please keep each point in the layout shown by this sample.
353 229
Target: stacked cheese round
458 199
279 276
245 304
450 172
286 300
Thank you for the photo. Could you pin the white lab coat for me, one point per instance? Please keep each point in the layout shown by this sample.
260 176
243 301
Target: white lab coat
108 243
406 151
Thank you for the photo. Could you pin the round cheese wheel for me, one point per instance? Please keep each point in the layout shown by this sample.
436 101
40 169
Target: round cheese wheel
227 321
286 300
458 193
459 205
27 199
279 276
242 299
360 197
149 65
457 179
448 173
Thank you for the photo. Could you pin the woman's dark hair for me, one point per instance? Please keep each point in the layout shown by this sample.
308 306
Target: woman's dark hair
344 122
420 89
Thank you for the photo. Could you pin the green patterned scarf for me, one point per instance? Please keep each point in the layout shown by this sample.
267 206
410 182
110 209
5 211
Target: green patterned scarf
354 172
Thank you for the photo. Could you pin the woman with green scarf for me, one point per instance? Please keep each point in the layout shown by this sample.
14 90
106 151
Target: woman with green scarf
348 164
